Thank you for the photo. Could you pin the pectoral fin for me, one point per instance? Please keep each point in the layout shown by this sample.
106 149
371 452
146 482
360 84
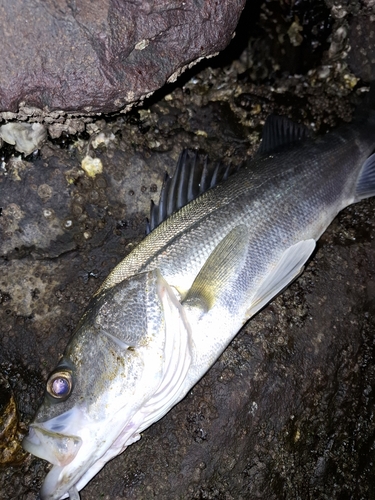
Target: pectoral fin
285 271
221 268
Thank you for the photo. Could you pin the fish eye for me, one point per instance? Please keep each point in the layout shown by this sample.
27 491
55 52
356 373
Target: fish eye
60 384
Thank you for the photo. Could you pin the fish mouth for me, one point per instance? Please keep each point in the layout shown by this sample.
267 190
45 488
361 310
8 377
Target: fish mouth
76 458
52 441
58 449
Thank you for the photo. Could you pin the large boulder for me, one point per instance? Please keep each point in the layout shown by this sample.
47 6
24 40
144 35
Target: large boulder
90 57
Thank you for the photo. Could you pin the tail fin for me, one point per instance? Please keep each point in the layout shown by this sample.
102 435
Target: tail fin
366 180
365 116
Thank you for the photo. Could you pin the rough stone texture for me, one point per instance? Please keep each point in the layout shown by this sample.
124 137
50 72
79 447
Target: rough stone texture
362 38
100 56
287 411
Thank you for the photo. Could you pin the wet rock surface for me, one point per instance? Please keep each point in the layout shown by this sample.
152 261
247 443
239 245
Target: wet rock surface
287 410
89 58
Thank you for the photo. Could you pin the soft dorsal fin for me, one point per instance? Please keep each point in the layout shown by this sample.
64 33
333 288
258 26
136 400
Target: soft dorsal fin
278 132
193 176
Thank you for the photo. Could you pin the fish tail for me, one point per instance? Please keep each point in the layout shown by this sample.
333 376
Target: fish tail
364 118
366 180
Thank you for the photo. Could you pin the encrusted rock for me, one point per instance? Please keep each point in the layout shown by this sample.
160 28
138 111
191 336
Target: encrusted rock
26 137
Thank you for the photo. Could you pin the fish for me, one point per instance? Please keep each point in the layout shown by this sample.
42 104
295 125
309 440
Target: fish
220 246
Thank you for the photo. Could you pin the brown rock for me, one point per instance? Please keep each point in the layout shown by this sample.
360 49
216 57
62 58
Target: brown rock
84 57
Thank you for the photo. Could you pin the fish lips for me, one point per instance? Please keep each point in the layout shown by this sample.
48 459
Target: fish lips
58 449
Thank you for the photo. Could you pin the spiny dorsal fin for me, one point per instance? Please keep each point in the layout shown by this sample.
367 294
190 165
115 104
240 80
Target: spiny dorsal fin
278 132
194 175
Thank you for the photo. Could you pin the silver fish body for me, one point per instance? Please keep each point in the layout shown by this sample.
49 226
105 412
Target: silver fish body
169 309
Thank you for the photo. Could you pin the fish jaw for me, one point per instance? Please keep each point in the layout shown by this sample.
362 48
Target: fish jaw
76 459
63 450
60 480
58 449
51 440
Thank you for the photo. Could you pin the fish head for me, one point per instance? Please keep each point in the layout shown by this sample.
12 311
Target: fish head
95 398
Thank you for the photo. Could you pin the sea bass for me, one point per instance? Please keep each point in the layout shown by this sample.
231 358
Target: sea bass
221 247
